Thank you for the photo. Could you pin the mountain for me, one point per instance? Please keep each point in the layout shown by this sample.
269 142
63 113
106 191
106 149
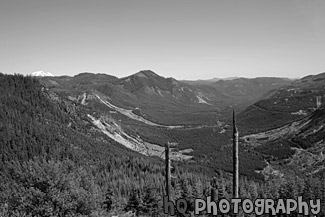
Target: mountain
35 121
54 161
207 81
161 99
167 100
77 146
42 74
287 128
242 92
201 82
246 91
286 104
144 111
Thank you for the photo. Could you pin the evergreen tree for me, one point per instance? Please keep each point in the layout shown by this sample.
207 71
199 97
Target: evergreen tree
134 203
109 199
150 201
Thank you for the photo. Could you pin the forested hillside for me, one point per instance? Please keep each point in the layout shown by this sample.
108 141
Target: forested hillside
54 162
284 105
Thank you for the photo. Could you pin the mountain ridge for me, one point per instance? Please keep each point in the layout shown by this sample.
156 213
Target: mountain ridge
286 104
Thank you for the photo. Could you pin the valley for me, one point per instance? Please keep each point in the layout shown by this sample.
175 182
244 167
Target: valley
144 111
106 133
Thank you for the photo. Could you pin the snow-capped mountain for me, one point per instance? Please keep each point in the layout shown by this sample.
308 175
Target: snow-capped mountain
42 74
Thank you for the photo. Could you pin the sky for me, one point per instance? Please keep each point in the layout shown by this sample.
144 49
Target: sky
184 39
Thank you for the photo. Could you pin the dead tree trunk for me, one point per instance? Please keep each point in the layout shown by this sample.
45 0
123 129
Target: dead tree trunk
167 175
214 190
235 158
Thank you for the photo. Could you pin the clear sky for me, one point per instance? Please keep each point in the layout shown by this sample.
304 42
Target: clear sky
185 39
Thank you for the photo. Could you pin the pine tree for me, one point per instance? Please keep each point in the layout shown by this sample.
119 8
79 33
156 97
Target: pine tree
134 203
150 201
198 189
109 199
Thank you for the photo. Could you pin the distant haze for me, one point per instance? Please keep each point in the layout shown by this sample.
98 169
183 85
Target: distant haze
184 39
